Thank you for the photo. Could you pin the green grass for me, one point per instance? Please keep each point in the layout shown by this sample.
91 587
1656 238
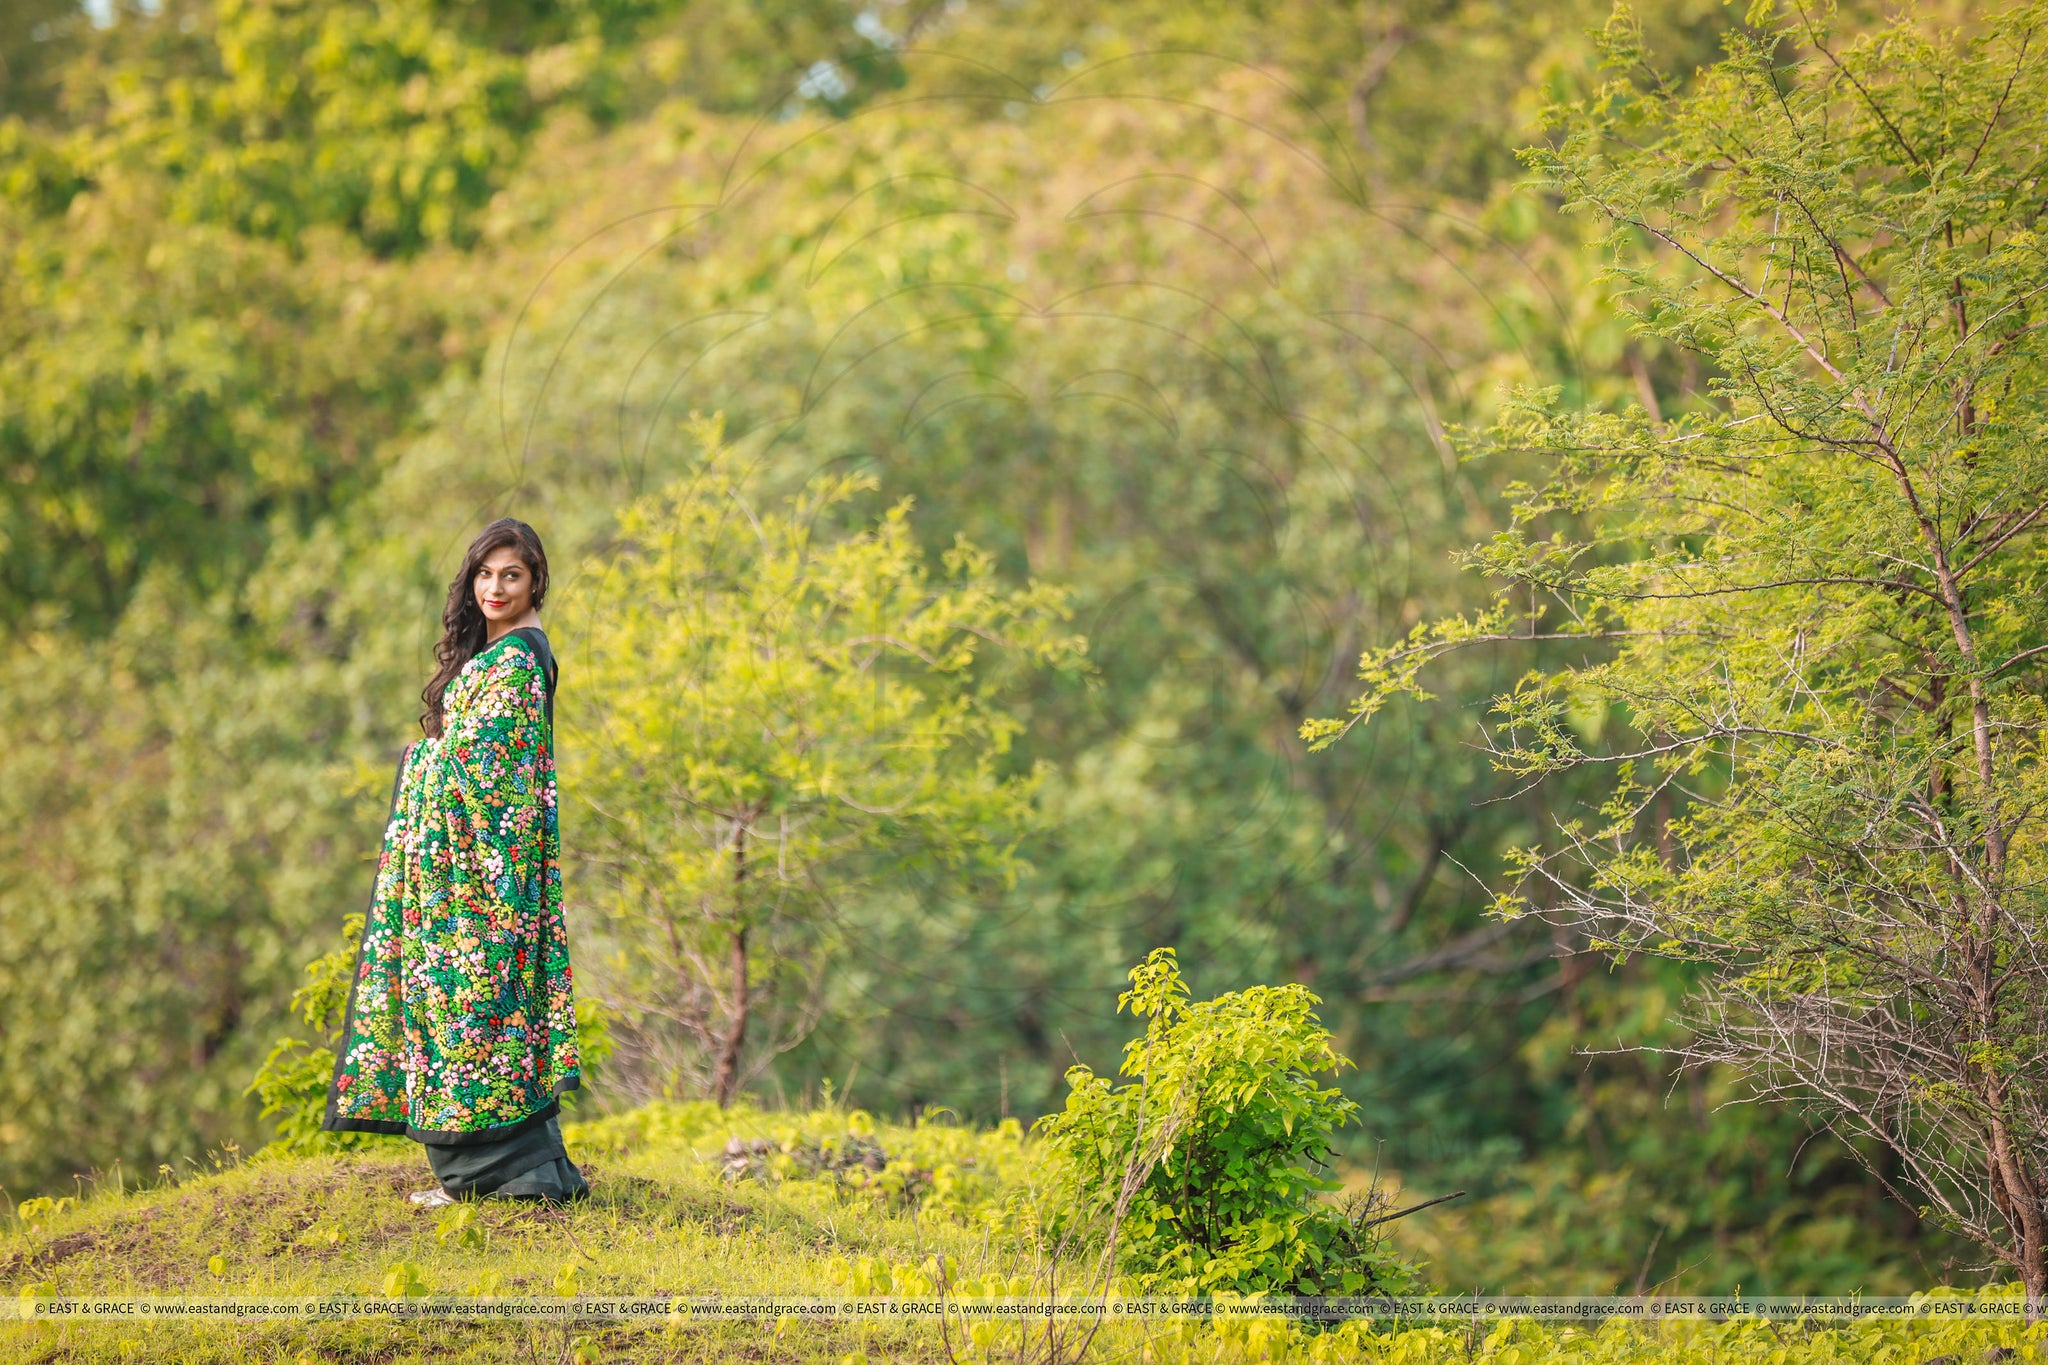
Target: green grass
662 1219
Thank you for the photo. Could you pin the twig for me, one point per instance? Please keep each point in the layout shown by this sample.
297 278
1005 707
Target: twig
1412 1208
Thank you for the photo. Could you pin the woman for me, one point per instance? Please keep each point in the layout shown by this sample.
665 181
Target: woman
461 1025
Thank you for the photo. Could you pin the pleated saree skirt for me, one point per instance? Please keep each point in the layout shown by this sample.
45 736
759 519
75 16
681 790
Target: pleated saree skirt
529 1165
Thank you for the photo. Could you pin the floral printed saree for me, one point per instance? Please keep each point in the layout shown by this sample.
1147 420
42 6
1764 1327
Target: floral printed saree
461 1024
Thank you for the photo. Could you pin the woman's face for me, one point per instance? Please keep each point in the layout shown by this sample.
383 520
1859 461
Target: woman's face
504 587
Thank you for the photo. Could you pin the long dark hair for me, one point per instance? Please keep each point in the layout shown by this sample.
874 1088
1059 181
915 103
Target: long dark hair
464 628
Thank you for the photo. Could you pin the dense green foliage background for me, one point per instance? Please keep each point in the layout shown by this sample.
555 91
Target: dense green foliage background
1167 304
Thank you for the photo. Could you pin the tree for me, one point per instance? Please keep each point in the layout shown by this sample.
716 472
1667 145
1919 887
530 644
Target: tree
1811 609
779 717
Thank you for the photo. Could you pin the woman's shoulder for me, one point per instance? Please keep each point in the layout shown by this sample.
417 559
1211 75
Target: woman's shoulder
531 641
530 656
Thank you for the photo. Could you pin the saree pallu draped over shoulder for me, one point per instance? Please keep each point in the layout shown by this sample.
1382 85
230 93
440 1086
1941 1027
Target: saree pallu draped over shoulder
461 1023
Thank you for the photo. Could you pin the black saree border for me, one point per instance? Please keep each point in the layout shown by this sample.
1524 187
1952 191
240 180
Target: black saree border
331 1122
535 638
461 1137
477 1136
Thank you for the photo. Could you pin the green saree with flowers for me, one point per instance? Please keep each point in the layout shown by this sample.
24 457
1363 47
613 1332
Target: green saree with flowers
461 1023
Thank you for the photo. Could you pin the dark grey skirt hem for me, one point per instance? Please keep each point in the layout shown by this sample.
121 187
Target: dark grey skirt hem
533 1164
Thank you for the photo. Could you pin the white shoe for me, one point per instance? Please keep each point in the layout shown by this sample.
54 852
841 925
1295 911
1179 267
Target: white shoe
431 1199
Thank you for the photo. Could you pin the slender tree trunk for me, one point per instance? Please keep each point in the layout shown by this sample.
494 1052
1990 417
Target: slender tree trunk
2022 1201
2034 1273
2009 1166
2023 1204
726 1078
1385 36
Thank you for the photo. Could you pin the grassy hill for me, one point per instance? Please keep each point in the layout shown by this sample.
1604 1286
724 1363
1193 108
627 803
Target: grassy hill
662 1219
824 1203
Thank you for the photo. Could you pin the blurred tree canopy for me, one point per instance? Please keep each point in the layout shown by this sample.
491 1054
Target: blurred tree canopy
1170 305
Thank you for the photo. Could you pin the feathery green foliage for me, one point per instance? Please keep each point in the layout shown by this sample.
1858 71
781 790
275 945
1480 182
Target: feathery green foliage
1811 610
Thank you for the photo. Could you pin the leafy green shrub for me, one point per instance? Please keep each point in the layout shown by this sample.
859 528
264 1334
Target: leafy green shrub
1202 1171
293 1080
